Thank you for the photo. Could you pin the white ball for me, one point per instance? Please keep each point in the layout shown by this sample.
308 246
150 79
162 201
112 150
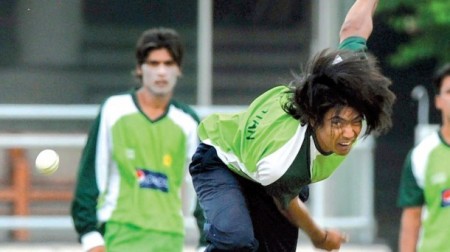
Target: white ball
47 162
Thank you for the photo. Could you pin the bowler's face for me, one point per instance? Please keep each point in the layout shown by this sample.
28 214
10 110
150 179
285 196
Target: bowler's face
442 100
159 72
339 131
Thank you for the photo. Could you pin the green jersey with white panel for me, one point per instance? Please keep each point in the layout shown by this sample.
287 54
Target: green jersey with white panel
132 167
268 146
426 182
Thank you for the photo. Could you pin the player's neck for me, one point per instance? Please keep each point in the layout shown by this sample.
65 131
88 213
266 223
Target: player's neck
148 99
153 106
445 132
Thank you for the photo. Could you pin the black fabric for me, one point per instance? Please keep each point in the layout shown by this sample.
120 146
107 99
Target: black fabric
200 220
273 231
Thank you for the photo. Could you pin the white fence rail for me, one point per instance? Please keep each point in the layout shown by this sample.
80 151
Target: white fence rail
80 112
65 140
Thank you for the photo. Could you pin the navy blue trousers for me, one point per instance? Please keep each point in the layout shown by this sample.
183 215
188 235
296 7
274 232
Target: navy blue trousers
240 215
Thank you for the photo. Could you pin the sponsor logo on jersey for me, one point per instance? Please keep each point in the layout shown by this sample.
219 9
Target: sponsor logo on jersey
446 197
152 180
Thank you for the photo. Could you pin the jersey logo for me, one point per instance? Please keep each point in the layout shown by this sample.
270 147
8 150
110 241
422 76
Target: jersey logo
438 178
167 160
251 128
152 180
445 198
130 154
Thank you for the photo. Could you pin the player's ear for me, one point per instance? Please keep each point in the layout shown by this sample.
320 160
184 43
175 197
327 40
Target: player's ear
438 102
179 73
138 70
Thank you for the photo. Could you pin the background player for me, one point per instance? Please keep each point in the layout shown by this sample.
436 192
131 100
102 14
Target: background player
132 168
425 185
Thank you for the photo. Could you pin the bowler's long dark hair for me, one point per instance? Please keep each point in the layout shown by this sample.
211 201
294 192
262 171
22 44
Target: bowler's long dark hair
333 79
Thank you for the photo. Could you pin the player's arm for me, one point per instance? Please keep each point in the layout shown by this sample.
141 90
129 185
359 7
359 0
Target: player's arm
411 199
359 20
297 213
98 249
84 204
409 230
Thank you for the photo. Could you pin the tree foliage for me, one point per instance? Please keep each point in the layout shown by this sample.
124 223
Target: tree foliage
426 22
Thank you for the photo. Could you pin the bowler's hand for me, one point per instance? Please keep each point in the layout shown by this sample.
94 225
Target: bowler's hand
98 249
332 240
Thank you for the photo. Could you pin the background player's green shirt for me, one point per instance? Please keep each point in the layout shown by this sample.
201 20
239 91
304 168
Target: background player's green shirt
426 182
268 146
132 167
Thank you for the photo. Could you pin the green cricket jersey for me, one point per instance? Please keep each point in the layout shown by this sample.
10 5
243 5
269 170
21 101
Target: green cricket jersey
426 182
132 167
268 146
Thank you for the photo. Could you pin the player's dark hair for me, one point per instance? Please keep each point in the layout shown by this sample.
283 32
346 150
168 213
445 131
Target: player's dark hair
439 75
157 38
333 79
